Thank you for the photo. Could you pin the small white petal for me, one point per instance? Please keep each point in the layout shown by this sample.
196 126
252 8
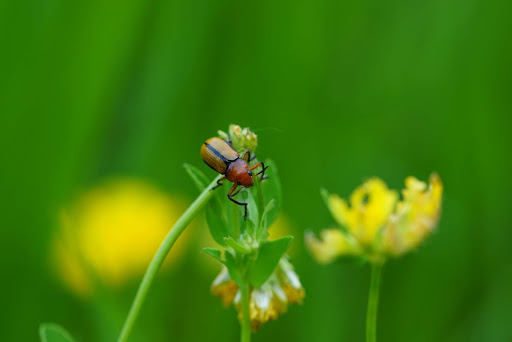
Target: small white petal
294 279
262 299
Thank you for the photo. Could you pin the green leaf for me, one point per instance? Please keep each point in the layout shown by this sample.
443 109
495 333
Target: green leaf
252 208
215 209
236 246
230 261
199 179
268 257
262 229
217 222
51 332
214 252
250 228
235 215
217 216
272 190
234 269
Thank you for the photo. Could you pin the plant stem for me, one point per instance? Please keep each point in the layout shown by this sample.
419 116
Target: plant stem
161 254
246 320
373 301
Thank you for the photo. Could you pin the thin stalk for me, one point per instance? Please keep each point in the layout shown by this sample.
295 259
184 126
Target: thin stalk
373 301
246 319
161 254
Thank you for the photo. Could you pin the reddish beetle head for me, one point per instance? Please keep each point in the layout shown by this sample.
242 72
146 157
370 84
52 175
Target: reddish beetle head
246 178
238 172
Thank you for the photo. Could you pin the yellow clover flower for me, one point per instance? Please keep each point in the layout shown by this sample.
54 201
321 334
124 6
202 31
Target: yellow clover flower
376 224
415 217
332 244
111 233
267 302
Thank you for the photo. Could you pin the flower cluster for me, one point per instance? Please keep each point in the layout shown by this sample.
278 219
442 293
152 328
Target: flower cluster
243 139
376 224
268 301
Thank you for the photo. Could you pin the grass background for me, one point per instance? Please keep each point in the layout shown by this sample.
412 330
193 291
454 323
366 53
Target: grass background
337 91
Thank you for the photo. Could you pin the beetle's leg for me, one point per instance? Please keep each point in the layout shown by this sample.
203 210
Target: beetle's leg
233 188
255 166
250 158
230 196
219 183
236 193
263 176
247 156
262 172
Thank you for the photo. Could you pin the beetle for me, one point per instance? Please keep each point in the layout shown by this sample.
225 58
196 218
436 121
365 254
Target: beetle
222 157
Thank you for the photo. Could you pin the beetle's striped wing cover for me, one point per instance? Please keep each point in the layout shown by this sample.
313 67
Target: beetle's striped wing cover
218 154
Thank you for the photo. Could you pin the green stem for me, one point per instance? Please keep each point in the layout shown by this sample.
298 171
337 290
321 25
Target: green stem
161 254
373 301
246 319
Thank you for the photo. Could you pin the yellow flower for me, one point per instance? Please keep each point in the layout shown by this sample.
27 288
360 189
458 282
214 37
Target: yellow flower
267 302
332 244
289 282
416 215
370 207
224 287
111 233
376 223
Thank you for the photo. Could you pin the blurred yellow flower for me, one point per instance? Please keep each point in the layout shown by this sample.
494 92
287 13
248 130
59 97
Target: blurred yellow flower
111 233
268 301
370 207
377 224
416 216
332 243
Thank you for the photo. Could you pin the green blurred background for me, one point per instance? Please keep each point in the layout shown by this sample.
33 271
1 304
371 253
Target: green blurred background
337 91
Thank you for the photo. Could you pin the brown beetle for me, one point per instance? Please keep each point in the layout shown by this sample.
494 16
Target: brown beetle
221 156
